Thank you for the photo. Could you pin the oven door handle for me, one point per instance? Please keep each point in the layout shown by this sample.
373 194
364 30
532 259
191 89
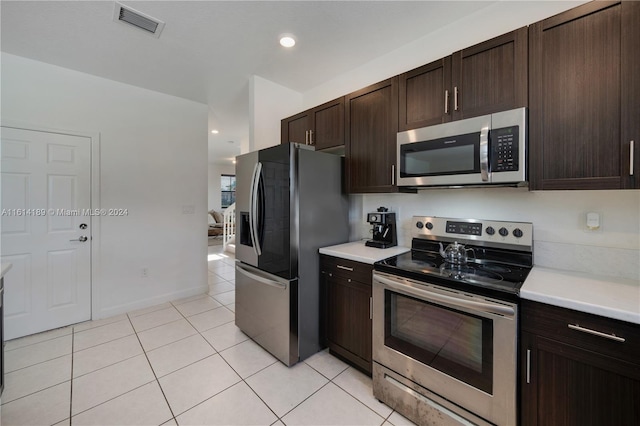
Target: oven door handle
486 307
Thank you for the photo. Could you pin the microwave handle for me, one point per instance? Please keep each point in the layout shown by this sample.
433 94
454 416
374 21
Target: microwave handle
484 154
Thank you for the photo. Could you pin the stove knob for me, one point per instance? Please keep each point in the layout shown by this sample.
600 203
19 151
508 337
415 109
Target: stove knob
517 233
490 230
503 232
419 225
429 225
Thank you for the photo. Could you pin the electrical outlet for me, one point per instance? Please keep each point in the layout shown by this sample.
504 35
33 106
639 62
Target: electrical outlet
144 273
593 221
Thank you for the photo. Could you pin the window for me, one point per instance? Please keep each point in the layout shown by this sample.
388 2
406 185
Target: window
228 190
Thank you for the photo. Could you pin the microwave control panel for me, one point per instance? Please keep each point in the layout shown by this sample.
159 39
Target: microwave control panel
504 149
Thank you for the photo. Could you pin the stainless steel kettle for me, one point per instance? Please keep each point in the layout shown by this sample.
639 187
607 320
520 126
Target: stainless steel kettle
456 253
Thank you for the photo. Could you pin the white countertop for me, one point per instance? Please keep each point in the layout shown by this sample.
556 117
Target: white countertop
5 268
358 252
610 297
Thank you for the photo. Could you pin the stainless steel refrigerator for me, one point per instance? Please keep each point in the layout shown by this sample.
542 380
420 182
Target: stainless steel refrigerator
289 203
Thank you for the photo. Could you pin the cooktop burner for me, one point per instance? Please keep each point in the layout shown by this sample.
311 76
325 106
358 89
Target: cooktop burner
489 263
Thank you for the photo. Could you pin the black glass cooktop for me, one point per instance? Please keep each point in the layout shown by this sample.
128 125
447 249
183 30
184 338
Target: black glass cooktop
492 272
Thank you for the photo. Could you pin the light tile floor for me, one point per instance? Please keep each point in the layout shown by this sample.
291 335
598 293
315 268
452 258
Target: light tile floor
183 362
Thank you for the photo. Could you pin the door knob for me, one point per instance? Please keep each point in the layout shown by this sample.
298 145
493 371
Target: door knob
82 239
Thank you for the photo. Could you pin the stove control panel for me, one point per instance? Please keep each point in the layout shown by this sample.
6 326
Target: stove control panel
490 231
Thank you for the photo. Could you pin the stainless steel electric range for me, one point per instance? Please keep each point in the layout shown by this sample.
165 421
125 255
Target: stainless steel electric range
445 321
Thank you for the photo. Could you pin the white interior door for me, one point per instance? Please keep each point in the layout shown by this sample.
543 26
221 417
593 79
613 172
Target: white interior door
46 185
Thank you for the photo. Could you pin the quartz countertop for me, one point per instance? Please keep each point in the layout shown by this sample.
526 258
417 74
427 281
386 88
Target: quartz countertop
358 252
5 268
611 297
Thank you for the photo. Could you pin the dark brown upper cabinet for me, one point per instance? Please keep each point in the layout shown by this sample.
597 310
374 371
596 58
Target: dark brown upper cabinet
482 79
371 120
322 126
585 98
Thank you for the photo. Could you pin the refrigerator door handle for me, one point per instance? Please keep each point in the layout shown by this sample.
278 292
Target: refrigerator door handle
255 275
253 203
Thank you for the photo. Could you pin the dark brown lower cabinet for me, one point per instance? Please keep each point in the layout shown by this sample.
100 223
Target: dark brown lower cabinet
347 288
573 377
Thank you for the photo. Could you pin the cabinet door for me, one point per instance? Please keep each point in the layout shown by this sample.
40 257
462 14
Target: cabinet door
349 325
371 120
575 100
425 95
296 128
631 94
572 386
328 129
491 76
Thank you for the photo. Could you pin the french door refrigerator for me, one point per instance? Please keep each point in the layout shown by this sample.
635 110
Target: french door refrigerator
289 203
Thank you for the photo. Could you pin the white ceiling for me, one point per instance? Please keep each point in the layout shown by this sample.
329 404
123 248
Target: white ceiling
208 50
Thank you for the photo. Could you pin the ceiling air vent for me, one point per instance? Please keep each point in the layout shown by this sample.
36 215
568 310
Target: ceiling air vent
127 15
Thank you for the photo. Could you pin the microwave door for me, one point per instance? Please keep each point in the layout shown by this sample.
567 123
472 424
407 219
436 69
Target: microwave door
448 154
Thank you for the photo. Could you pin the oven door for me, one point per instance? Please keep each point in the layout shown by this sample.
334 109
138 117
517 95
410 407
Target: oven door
459 346
455 153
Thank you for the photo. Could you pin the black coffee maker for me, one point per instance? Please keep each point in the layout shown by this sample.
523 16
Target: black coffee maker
384 228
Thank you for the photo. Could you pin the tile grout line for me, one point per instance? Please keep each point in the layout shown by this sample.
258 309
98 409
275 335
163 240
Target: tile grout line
230 366
173 416
216 352
357 399
38 342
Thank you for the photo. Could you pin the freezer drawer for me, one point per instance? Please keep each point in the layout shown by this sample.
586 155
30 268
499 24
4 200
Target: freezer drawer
266 311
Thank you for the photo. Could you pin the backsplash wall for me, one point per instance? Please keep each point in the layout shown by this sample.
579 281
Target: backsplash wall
561 238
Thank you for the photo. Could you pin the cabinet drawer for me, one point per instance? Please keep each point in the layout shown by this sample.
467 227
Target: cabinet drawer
356 271
614 338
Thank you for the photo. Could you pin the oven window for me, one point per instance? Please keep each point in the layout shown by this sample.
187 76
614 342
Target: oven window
456 343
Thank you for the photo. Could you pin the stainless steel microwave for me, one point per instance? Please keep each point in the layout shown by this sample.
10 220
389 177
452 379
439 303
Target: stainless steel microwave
491 149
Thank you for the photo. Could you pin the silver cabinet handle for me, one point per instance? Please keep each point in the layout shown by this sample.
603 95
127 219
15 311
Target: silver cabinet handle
631 158
528 366
346 268
310 137
455 98
306 137
446 101
82 239
596 333
393 174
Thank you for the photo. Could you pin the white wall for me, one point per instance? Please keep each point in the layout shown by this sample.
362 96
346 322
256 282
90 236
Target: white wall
153 161
215 194
269 103
561 238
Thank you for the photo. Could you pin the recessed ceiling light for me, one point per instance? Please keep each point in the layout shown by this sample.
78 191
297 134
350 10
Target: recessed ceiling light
233 161
215 132
287 40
